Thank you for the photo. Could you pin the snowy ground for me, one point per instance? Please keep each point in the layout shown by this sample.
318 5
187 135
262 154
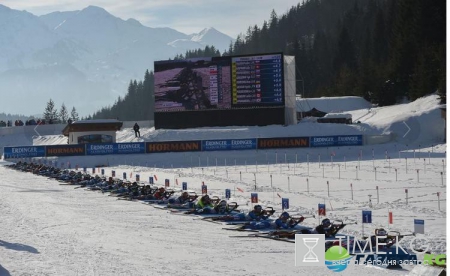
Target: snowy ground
49 229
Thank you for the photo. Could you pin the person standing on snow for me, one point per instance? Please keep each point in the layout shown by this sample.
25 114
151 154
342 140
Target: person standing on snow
137 133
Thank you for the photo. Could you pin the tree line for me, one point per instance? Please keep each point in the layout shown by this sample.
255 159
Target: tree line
52 114
382 50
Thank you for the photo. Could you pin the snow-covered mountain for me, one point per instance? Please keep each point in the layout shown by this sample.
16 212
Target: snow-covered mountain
89 53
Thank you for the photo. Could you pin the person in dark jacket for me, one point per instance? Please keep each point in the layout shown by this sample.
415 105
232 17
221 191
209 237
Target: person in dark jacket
137 133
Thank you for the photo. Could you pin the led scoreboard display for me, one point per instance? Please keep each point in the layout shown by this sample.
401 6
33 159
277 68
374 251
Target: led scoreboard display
257 80
212 83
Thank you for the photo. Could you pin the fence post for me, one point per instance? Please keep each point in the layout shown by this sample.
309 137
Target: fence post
439 201
378 196
351 189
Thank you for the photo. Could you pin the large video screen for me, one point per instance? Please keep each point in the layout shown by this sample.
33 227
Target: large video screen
193 84
219 83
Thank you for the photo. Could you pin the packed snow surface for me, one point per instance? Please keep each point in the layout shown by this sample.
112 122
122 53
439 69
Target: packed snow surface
51 229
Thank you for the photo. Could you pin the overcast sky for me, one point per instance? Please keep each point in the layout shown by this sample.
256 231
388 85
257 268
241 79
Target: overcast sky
189 16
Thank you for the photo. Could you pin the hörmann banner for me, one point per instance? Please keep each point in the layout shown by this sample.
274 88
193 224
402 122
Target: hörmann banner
285 142
22 152
174 146
229 144
66 150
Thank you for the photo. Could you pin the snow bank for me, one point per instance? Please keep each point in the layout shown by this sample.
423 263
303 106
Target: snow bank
332 104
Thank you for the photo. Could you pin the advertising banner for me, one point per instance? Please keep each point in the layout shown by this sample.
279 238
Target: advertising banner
26 151
323 141
65 150
335 141
174 146
129 148
115 148
99 149
285 142
230 144
349 140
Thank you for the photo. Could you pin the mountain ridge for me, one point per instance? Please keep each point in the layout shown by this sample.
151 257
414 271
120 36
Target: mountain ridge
103 51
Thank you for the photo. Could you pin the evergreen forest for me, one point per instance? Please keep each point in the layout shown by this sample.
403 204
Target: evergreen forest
383 50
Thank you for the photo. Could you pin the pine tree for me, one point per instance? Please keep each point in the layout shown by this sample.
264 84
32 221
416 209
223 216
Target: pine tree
50 113
345 52
63 114
74 114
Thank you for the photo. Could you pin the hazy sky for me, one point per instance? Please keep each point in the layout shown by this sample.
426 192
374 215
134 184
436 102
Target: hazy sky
189 16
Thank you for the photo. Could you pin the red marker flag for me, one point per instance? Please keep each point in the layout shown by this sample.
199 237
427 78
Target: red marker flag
156 178
391 218
240 190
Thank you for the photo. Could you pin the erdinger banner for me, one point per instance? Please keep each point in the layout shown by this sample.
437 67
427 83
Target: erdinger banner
127 148
229 144
99 149
286 142
175 146
21 152
323 141
335 141
115 148
65 150
349 140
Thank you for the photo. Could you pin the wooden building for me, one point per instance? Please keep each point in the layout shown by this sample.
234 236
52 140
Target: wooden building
92 131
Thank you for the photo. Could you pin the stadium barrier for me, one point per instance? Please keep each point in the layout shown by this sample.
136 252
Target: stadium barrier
182 146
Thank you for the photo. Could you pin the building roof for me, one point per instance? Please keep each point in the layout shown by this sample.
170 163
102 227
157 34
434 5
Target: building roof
338 115
93 125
